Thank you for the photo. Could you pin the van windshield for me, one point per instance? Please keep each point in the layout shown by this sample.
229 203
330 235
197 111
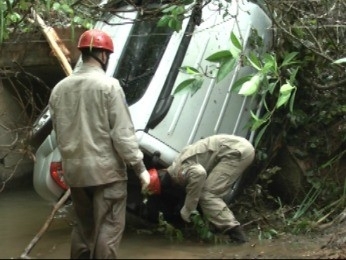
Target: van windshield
141 57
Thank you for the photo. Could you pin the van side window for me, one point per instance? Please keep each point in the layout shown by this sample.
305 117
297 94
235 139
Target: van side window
141 57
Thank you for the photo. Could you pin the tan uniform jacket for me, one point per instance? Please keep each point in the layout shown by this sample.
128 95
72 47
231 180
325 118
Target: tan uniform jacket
94 129
205 149
206 152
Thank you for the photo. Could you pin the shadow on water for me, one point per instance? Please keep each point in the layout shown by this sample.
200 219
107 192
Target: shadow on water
23 213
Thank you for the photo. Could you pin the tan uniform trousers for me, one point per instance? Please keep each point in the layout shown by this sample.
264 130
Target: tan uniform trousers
100 220
217 184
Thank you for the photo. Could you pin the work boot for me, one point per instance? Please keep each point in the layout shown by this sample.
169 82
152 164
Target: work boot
237 234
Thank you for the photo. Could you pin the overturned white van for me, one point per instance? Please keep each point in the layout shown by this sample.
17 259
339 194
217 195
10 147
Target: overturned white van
146 61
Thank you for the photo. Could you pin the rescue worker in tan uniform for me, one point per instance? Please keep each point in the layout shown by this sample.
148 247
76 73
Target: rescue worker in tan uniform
97 142
207 169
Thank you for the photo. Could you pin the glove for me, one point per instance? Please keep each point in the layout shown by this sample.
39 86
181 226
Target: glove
145 179
185 214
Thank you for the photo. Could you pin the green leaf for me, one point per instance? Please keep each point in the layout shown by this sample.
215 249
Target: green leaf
247 89
24 5
163 21
172 23
179 25
293 74
225 68
169 9
235 46
56 6
257 124
253 115
196 85
342 60
271 86
269 63
77 19
14 17
175 24
282 100
219 56
288 59
259 121
269 66
187 2
183 85
179 10
286 88
237 85
67 9
260 134
255 62
189 70
250 87
285 94
293 95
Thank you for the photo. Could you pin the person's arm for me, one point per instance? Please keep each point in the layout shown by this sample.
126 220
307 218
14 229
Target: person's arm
123 134
195 177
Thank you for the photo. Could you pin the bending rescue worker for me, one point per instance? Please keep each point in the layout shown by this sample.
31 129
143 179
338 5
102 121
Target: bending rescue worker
207 170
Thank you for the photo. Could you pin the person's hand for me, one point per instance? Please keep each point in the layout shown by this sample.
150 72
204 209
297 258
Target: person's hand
185 214
145 180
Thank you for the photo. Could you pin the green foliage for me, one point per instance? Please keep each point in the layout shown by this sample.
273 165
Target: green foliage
309 199
200 230
266 234
173 14
16 16
267 81
64 9
173 17
251 86
318 206
203 230
10 14
194 83
303 97
169 231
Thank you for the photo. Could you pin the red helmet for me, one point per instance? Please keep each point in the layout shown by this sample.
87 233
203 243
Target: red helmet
154 186
95 39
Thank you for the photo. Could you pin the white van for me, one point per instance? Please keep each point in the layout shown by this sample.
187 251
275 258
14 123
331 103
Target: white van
146 61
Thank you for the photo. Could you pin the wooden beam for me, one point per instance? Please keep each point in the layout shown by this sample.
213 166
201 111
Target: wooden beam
52 39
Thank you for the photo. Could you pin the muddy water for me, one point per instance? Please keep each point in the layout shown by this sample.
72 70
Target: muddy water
23 213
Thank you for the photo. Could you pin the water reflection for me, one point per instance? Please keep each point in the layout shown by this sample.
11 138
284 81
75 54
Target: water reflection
23 213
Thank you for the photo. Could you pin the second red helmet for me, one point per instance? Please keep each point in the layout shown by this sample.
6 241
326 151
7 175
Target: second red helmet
95 39
154 186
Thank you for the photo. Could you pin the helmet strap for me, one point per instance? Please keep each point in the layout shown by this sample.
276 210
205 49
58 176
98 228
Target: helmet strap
103 65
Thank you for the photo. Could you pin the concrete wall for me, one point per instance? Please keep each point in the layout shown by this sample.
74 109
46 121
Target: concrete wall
31 53
15 164
33 49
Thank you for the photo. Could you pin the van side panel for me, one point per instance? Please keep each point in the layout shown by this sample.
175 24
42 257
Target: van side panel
214 108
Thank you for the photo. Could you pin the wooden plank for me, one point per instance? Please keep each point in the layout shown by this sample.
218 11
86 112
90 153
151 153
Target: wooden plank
32 49
59 50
